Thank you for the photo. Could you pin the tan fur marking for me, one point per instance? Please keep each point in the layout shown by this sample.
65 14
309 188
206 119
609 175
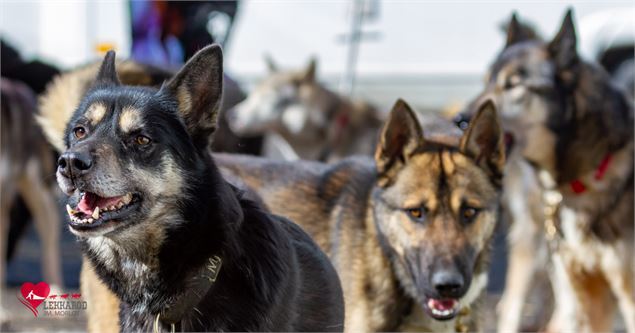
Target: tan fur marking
95 113
130 119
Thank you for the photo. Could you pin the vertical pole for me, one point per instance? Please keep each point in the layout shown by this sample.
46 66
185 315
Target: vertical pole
347 84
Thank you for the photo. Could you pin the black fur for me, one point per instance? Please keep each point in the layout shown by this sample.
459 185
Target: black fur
273 277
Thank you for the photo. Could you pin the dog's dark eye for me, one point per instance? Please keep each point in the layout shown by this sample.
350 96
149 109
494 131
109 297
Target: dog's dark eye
468 214
142 140
417 214
79 132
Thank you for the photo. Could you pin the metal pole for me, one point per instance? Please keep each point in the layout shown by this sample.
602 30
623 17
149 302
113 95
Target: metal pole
347 85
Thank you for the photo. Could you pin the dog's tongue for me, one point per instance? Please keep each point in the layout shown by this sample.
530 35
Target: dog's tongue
90 201
443 304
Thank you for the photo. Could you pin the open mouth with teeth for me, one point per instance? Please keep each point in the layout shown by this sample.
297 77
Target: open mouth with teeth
442 309
93 211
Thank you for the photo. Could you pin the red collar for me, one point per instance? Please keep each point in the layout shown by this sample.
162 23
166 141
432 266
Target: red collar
578 187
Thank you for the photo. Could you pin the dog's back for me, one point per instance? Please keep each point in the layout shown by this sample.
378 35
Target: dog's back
320 298
309 191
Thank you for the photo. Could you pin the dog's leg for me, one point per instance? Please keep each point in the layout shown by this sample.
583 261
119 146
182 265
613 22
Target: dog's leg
39 199
525 240
521 268
618 270
584 302
565 316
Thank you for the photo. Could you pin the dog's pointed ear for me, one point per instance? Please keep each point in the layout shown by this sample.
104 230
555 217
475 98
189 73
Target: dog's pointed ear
107 74
518 32
483 140
271 64
399 138
563 48
309 71
198 89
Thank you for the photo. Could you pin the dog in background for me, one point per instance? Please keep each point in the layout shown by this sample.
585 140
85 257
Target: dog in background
303 119
180 247
569 181
27 170
409 232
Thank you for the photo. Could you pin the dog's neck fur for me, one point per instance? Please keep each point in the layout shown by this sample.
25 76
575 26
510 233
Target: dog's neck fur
149 280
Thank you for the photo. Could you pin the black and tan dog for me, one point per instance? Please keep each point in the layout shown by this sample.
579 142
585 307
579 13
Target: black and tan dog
569 181
180 247
408 233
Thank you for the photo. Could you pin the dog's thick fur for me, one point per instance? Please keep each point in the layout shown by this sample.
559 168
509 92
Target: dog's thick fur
358 212
154 146
56 106
566 118
301 118
26 169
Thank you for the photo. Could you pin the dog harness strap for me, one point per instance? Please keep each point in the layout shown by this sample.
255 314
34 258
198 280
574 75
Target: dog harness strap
199 286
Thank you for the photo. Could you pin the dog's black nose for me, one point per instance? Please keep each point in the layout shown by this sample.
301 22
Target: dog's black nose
75 163
448 283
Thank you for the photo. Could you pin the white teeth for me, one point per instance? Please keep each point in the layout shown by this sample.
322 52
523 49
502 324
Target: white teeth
70 210
96 213
111 208
90 220
120 204
127 198
441 312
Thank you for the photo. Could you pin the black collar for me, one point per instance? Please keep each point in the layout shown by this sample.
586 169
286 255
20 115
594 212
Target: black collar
199 285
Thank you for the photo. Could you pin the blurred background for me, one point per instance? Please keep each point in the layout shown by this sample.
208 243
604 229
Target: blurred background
434 54
429 52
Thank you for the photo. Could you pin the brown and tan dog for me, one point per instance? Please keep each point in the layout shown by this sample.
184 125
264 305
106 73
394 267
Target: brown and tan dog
409 234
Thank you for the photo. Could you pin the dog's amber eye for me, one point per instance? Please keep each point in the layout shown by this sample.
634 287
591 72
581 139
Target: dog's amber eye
418 214
468 214
79 132
142 140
